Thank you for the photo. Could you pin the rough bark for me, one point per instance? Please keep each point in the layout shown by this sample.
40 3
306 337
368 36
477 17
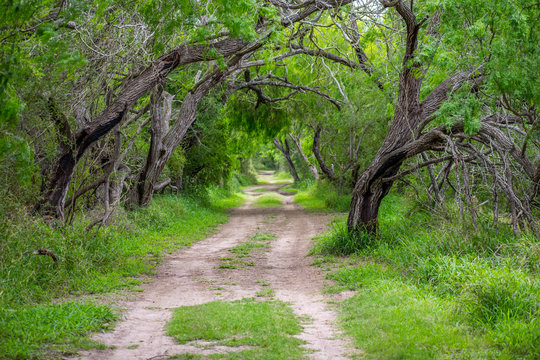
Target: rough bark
161 110
165 142
286 151
55 194
409 116
54 198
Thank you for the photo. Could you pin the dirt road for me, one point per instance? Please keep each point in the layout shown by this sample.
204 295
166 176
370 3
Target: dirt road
193 276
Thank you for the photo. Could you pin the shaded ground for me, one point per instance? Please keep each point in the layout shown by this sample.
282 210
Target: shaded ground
193 276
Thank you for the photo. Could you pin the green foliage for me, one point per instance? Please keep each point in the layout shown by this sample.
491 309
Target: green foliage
338 241
89 262
266 326
501 34
463 107
31 332
321 197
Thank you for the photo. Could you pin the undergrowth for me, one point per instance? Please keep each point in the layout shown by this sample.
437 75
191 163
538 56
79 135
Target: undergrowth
454 291
320 197
89 262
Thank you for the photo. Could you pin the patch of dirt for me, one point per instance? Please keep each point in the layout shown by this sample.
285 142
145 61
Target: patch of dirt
192 276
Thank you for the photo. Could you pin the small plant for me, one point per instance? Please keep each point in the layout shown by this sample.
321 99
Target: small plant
263 283
266 292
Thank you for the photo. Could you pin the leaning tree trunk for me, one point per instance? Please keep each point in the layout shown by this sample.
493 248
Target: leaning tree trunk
164 143
53 199
310 166
328 171
286 151
373 184
371 187
161 109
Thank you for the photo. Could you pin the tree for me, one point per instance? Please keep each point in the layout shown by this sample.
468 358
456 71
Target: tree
238 40
407 135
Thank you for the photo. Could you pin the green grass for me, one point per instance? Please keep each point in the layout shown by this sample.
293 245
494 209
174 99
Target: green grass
267 327
38 331
428 279
393 320
268 200
320 197
276 178
244 250
291 189
90 263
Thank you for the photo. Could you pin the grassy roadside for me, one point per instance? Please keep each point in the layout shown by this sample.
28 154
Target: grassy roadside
431 287
319 197
35 322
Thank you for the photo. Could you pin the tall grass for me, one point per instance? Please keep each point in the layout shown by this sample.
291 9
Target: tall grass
488 278
90 262
321 197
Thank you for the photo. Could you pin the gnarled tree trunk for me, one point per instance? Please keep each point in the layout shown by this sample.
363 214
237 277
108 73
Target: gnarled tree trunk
53 199
404 138
328 171
165 142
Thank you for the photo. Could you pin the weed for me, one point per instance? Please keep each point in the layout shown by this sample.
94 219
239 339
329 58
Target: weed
480 286
322 197
338 241
263 283
263 237
266 292
244 250
33 330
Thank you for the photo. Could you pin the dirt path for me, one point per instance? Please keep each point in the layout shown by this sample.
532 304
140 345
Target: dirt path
192 276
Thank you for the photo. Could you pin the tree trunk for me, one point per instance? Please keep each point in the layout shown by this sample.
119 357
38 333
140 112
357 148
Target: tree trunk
164 142
312 168
328 171
54 197
286 151
161 108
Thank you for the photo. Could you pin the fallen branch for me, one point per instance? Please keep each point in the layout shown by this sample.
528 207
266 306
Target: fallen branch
45 252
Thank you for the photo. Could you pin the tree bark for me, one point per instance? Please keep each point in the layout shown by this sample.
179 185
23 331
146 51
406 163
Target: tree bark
403 139
165 142
161 110
53 200
286 151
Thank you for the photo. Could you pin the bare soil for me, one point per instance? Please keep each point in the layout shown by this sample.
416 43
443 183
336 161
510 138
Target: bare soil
192 276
